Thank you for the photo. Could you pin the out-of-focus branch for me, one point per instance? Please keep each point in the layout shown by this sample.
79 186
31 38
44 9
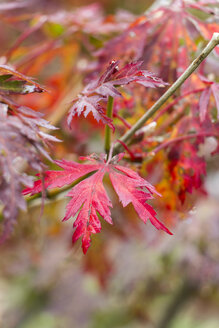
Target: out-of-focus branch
187 291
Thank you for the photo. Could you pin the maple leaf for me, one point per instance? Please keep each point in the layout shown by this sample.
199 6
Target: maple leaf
100 89
89 198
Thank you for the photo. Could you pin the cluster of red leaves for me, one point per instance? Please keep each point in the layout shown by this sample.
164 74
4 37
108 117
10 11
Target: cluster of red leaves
89 198
166 35
100 89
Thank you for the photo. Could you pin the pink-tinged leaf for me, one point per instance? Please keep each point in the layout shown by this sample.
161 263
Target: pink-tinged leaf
89 198
203 103
215 90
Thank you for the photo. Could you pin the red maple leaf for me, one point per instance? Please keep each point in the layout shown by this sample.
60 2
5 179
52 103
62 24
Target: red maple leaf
89 198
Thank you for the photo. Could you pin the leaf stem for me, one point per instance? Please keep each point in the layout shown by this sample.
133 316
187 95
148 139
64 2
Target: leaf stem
192 67
109 113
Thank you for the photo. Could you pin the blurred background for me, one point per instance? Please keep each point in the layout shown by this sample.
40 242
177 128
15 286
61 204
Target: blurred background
132 276
109 6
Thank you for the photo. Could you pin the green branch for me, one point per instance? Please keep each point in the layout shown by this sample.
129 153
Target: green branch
140 123
109 113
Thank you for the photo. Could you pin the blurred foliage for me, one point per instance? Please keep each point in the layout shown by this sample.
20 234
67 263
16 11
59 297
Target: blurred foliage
157 283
